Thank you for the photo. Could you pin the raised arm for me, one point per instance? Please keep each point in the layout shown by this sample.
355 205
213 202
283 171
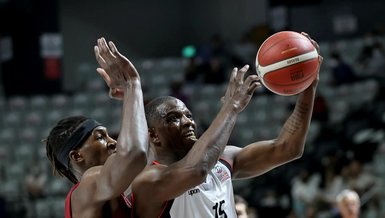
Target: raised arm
260 157
167 182
114 177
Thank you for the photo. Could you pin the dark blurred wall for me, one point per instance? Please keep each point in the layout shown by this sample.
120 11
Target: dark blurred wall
24 68
148 28
318 19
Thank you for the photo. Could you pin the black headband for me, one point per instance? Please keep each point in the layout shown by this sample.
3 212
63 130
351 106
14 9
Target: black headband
76 139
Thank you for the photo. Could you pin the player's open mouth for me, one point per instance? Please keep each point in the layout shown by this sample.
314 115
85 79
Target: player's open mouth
189 134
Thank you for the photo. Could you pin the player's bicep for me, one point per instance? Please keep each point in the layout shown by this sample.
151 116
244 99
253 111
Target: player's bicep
255 159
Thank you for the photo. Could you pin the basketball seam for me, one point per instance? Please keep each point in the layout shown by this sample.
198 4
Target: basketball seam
262 70
292 37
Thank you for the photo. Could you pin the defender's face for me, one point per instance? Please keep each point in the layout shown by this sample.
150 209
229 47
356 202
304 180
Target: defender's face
98 147
176 126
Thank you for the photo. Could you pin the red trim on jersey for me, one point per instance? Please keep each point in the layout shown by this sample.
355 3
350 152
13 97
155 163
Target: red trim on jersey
67 210
163 209
123 210
126 200
132 205
226 163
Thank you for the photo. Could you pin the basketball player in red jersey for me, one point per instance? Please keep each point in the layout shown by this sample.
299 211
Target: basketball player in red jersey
191 176
81 149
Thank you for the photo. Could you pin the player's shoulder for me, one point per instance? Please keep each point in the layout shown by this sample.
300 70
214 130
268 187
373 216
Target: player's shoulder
231 148
229 152
147 181
90 176
149 174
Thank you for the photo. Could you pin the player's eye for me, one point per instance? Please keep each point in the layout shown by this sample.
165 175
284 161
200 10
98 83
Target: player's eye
99 137
172 118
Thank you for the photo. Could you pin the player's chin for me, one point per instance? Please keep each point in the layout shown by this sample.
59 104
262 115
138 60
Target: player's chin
190 140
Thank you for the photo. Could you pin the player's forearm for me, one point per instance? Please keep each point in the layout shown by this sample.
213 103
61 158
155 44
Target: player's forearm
294 131
133 131
130 158
211 144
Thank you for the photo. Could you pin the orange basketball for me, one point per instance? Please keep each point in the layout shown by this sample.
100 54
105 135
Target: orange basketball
287 63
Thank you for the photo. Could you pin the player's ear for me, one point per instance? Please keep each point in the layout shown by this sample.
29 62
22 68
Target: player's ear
75 155
154 139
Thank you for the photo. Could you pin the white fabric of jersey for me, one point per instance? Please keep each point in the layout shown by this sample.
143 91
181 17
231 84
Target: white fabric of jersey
213 198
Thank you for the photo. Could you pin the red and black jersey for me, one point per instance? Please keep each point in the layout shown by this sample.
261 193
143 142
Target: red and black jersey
123 211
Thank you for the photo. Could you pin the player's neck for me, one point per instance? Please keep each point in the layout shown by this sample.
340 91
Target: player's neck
166 158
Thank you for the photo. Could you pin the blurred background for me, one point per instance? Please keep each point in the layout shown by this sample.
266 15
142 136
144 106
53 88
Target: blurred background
187 49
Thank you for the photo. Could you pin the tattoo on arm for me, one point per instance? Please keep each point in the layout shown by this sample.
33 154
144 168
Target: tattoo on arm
296 119
217 146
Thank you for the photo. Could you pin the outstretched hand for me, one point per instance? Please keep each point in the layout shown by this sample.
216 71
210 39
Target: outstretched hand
320 58
240 90
116 70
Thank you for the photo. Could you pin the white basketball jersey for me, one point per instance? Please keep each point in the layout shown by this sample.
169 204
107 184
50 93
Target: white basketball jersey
213 198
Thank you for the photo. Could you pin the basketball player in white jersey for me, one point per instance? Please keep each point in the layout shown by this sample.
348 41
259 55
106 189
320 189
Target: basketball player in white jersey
191 177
